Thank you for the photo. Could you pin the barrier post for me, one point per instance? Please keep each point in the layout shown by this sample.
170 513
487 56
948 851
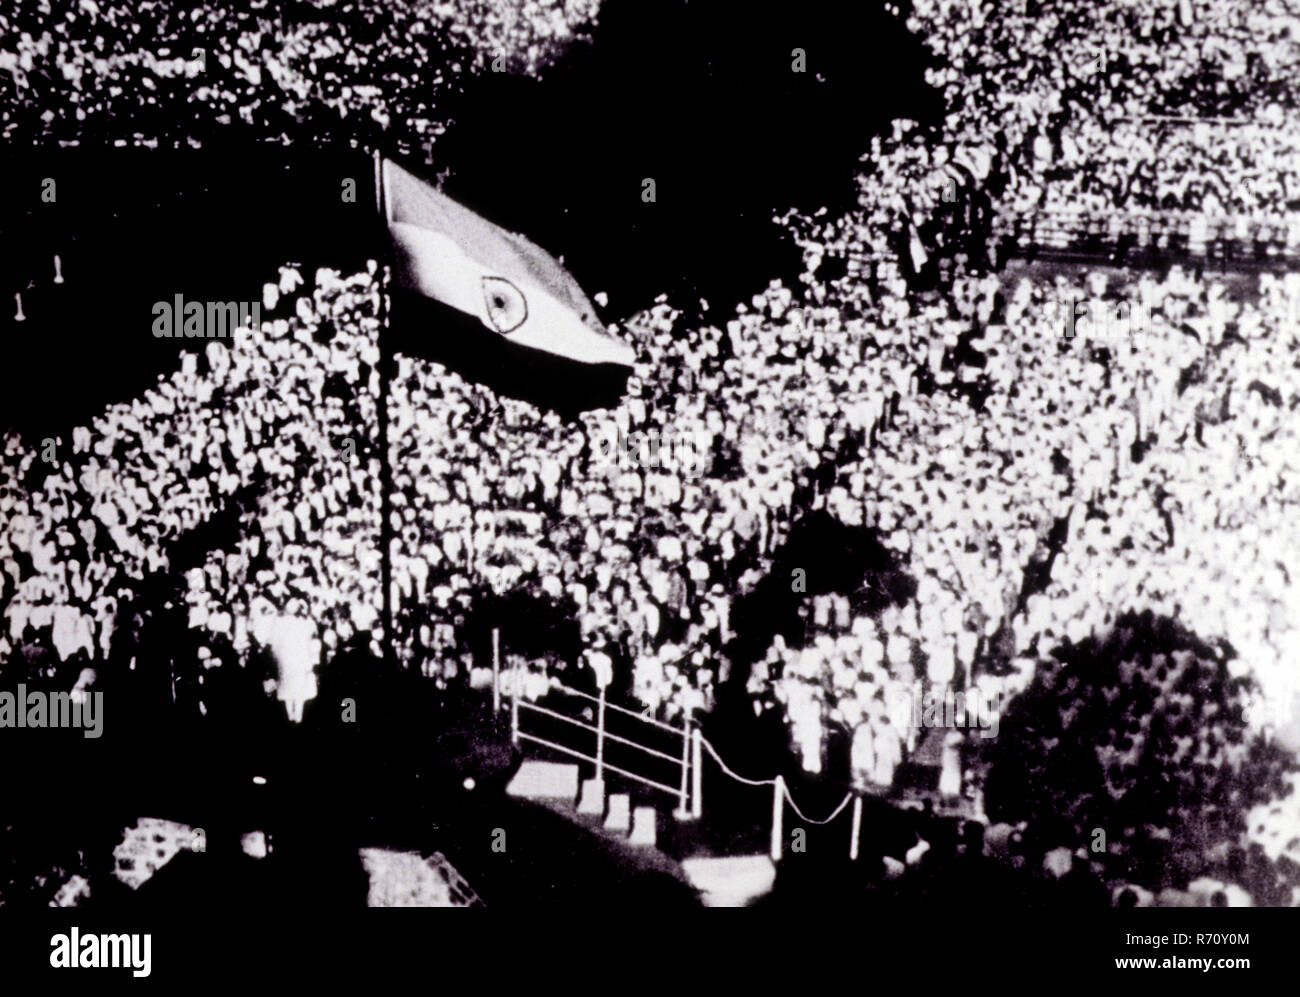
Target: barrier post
514 704
683 811
600 736
697 796
496 670
778 791
857 828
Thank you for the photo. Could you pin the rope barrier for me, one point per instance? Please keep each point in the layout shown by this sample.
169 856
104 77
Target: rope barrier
848 797
808 820
785 790
738 778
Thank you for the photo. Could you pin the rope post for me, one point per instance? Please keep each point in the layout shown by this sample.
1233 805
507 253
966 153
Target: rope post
496 671
857 828
600 737
697 796
514 704
683 811
778 792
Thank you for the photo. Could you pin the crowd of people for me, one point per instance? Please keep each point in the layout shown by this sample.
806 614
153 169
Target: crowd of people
1035 485
156 74
1119 118
121 493
1162 454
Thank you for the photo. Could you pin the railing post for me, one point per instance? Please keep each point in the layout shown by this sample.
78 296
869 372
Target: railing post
514 704
697 796
857 828
600 736
778 792
496 671
683 812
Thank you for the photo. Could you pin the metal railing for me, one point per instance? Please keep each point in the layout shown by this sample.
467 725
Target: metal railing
1170 231
687 791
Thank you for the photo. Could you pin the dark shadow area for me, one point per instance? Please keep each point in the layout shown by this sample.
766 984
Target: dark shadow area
833 558
400 766
133 227
532 624
702 98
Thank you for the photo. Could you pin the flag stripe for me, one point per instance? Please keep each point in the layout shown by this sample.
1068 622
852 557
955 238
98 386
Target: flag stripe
450 254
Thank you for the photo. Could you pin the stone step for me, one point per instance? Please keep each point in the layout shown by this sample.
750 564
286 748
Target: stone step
592 802
545 781
620 813
643 826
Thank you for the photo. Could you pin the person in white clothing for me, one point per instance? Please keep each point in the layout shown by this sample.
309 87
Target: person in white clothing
296 648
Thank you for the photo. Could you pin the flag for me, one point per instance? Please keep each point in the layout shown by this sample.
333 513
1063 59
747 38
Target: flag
448 253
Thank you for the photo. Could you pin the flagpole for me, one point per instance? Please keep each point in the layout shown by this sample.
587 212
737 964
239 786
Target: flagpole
385 466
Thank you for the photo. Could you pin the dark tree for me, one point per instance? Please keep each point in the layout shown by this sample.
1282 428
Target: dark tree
1138 732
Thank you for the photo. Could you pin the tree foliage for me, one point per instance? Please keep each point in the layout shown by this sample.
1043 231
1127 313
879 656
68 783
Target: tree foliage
1138 732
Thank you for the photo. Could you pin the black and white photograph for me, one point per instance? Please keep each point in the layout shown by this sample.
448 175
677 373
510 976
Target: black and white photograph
832 457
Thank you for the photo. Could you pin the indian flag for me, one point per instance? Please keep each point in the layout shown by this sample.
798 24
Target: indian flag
446 252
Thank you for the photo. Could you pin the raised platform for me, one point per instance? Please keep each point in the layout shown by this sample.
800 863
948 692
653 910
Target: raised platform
731 882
